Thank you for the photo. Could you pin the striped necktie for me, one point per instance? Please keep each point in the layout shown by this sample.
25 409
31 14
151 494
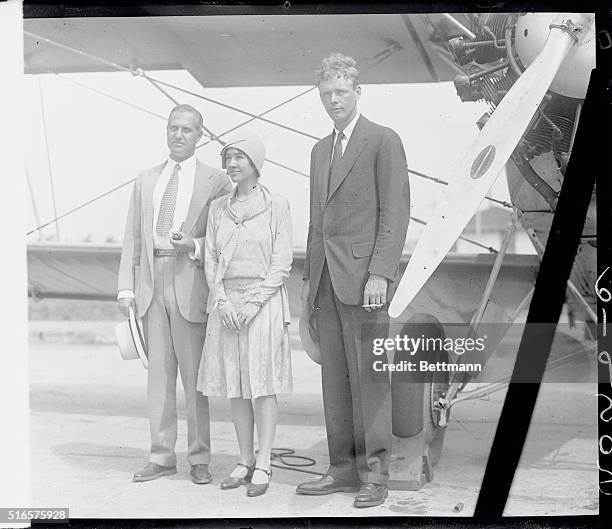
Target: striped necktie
165 219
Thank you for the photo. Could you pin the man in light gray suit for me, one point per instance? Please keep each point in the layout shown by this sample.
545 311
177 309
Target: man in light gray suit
161 276
359 211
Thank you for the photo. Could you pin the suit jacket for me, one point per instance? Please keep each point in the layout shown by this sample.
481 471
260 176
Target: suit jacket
136 267
360 227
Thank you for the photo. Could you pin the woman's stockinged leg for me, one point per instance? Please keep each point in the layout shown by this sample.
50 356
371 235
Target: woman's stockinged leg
243 418
266 412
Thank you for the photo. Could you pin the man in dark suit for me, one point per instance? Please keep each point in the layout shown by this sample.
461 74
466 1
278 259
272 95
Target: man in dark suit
161 277
359 211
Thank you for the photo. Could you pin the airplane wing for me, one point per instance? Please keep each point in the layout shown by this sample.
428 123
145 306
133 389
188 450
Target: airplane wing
455 291
73 271
241 50
89 271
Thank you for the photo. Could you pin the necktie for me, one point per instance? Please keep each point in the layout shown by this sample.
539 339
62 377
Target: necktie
165 219
337 156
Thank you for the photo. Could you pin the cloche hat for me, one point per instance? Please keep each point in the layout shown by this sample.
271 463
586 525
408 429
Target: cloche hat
249 144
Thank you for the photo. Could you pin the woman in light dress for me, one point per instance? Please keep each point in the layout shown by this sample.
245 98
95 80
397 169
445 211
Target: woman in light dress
246 355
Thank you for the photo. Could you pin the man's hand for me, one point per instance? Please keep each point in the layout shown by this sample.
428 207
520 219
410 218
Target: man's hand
229 316
247 312
375 293
182 242
125 304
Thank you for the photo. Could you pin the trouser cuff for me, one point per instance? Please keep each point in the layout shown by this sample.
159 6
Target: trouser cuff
164 461
375 477
199 459
346 475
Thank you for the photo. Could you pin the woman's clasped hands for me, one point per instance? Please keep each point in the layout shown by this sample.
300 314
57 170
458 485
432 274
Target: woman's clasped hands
233 318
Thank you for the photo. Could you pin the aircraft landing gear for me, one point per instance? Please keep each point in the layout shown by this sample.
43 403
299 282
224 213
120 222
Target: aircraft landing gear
419 420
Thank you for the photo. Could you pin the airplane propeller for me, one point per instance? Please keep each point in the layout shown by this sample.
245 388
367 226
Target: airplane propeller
487 156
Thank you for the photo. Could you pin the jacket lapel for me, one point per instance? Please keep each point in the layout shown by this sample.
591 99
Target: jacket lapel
322 167
354 148
199 197
148 187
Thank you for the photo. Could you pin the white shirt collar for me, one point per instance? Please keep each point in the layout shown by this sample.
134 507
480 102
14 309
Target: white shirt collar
187 165
348 130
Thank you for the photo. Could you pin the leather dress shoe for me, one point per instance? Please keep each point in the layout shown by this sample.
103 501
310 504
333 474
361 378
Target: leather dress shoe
153 471
200 474
371 495
326 485
257 489
234 483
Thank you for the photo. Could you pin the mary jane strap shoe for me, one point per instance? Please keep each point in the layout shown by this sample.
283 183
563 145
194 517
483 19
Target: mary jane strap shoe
257 489
234 483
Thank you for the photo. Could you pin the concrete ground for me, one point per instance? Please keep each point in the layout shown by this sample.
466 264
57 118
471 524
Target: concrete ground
89 433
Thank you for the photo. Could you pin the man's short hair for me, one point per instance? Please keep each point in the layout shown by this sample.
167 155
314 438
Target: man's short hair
189 108
338 65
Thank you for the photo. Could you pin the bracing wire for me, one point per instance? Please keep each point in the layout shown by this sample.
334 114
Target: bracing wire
102 93
49 165
242 124
490 249
235 109
81 206
154 83
380 57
